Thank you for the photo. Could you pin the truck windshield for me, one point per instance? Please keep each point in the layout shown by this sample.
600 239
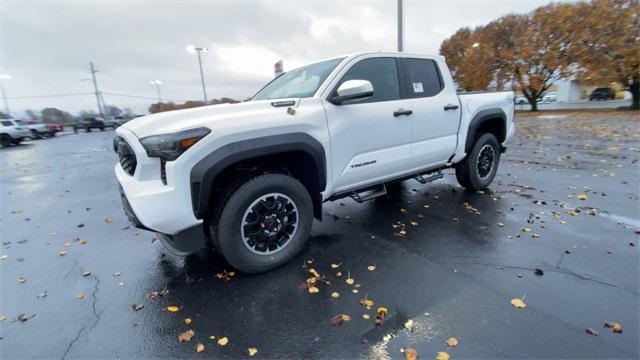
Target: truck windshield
299 83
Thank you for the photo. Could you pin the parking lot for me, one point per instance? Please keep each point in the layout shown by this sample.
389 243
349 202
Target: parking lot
559 230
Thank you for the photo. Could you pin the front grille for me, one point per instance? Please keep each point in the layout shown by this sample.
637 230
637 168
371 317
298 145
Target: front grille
125 154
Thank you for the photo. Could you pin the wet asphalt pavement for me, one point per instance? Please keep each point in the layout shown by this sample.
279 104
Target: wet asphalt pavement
447 262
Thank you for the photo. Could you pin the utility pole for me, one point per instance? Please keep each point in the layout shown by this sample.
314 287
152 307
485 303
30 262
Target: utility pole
4 94
204 89
400 27
93 72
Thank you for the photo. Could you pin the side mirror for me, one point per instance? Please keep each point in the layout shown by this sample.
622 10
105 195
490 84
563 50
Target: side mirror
352 89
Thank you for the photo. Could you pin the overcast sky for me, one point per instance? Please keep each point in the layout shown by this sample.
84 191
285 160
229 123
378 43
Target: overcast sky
46 46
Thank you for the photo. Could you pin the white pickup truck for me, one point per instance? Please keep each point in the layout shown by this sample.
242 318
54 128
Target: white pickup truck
249 178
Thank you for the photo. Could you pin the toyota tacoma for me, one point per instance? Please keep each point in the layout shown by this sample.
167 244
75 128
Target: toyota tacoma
249 178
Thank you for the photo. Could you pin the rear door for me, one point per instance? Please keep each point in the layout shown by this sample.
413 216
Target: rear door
368 141
436 113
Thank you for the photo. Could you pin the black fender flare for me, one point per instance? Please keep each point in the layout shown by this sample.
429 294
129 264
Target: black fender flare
478 119
203 174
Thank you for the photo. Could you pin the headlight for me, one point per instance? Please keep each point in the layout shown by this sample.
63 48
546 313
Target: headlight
170 146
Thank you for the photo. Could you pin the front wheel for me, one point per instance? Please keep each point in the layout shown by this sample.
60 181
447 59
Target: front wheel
478 169
263 223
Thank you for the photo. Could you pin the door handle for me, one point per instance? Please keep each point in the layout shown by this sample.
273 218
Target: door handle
450 107
400 112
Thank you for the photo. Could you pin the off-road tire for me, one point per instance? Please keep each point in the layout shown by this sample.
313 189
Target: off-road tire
226 222
467 171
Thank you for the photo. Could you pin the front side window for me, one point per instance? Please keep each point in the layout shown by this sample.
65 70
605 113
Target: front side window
21 122
299 83
423 77
383 75
6 123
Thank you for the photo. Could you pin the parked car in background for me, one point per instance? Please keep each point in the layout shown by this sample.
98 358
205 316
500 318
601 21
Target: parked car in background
87 124
12 133
603 93
54 128
550 97
520 100
114 121
37 130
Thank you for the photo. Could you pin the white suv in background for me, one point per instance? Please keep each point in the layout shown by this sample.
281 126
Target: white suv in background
12 133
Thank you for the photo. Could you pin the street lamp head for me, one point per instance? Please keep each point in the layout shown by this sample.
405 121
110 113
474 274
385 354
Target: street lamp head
5 77
192 49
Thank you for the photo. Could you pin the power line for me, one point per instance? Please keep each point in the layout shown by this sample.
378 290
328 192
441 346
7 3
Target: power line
139 96
48 96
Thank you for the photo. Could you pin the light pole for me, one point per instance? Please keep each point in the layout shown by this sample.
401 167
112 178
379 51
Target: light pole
157 83
197 50
4 95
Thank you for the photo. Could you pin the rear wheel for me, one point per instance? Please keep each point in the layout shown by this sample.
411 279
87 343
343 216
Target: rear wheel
478 169
263 223
5 140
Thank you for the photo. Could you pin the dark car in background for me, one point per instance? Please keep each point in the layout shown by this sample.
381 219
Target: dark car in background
603 93
88 123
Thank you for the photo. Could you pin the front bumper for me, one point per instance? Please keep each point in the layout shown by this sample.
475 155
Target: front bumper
152 205
185 242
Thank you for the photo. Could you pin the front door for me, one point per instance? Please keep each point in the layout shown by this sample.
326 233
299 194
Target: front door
368 141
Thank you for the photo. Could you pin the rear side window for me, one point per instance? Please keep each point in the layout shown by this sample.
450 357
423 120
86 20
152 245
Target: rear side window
383 75
6 123
423 77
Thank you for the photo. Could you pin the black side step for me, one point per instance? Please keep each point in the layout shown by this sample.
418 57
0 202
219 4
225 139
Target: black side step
423 180
372 193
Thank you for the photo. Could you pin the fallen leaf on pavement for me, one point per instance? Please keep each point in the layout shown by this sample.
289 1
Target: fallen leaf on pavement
25 317
62 253
519 303
82 241
538 271
381 314
408 325
339 319
223 341
86 273
21 279
349 281
173 308
366 303
452 342
108 220
371 267
2 317
137 307
252 351
582 197
335 266
366 316
335 294
186 336
80 295
615 327
200 347
410 353
313 290
442 356
187 321
591 331
4 257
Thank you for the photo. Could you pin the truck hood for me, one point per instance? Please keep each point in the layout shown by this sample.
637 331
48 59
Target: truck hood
204 116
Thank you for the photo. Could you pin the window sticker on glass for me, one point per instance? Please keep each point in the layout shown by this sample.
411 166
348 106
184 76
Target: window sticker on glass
417 87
